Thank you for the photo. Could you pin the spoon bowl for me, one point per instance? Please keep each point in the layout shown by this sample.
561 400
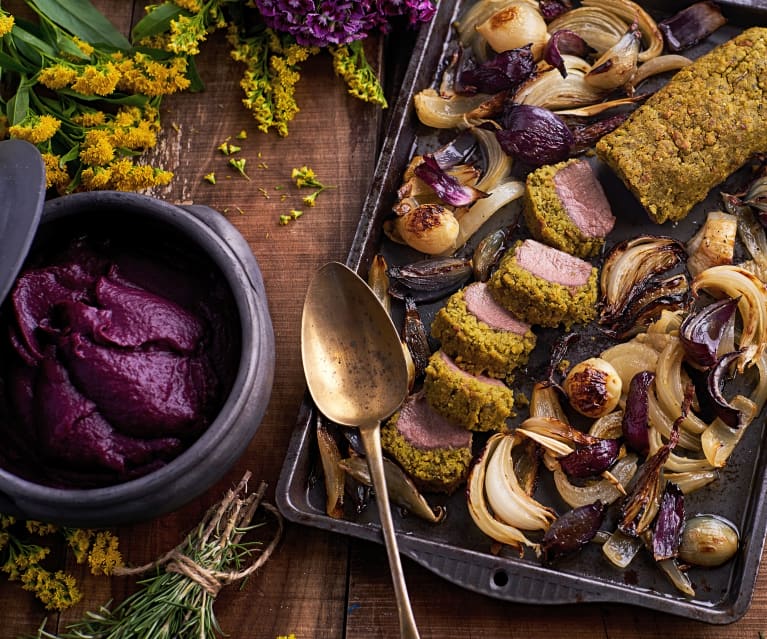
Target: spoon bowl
357 375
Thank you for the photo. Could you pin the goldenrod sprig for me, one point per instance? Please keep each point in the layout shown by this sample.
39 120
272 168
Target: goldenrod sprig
305 177
351 64
22 553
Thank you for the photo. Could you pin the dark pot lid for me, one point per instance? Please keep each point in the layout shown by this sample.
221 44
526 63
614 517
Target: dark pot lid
22 195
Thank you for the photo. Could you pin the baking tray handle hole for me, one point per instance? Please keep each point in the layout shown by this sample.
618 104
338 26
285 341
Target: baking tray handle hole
499 579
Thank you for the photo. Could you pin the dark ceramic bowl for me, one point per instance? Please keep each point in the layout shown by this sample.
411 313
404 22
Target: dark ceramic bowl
227 437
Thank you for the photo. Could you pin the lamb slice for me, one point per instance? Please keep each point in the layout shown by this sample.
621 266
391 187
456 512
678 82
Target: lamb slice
72 431
584 199
146 393
482 378
552 265
425 429
139 317
481 304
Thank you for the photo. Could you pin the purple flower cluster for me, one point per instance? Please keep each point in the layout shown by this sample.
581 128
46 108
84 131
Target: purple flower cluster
322 22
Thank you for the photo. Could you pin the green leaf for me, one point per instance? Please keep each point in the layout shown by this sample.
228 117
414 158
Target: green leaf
22 35
156 21
196 84
18 106
7 63
83 20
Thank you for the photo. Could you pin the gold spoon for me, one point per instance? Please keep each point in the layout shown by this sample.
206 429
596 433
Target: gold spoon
356 372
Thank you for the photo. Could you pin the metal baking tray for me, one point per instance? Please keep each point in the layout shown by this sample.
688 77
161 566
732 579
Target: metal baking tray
455 549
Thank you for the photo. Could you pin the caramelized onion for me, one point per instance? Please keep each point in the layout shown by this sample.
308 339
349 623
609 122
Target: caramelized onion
629 270
429 280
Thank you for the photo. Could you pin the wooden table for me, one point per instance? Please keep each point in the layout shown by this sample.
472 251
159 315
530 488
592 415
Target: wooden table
318 584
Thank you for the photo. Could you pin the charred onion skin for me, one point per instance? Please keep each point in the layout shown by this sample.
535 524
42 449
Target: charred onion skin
429 280
630 272
724 410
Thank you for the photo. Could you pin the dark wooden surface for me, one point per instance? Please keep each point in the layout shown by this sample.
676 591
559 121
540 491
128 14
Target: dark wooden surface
318 584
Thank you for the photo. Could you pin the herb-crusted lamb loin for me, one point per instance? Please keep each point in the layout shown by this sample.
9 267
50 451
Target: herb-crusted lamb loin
695 131
433 451
565 206
545 286
480 335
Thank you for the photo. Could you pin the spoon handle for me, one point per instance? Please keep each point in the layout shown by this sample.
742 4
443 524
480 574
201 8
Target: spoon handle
371 438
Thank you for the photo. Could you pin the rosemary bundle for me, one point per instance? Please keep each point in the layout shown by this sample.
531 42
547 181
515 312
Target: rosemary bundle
176 602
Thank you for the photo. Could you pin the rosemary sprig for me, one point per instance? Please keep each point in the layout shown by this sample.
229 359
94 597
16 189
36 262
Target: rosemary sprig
177 601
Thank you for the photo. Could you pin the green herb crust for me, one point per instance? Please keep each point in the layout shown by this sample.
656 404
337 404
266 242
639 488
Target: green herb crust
538 301
469 401
475 346
696 130
439 470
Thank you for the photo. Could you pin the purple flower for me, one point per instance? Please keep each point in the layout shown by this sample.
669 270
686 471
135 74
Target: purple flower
323 22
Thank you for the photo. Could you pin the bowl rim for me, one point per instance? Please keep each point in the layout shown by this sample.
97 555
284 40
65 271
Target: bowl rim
179 468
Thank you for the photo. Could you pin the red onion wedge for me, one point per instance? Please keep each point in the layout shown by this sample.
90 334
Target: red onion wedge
701 333
691 25
669 523
446 186
505 71
591 459
635 424
535 135
572 531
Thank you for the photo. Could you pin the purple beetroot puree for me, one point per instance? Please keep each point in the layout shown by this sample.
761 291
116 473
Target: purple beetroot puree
481 304
112 369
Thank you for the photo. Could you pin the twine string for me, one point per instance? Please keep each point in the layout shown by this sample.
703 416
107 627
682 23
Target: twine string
211 581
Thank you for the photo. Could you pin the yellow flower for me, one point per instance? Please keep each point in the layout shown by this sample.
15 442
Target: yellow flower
57 76
304 176
79 540
39 129
6 521
186 33
57 591
142 74
193 6
40 528
97 80
139 137
96 178
97 148
6 23
90 118
84 46
104 556
56 174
